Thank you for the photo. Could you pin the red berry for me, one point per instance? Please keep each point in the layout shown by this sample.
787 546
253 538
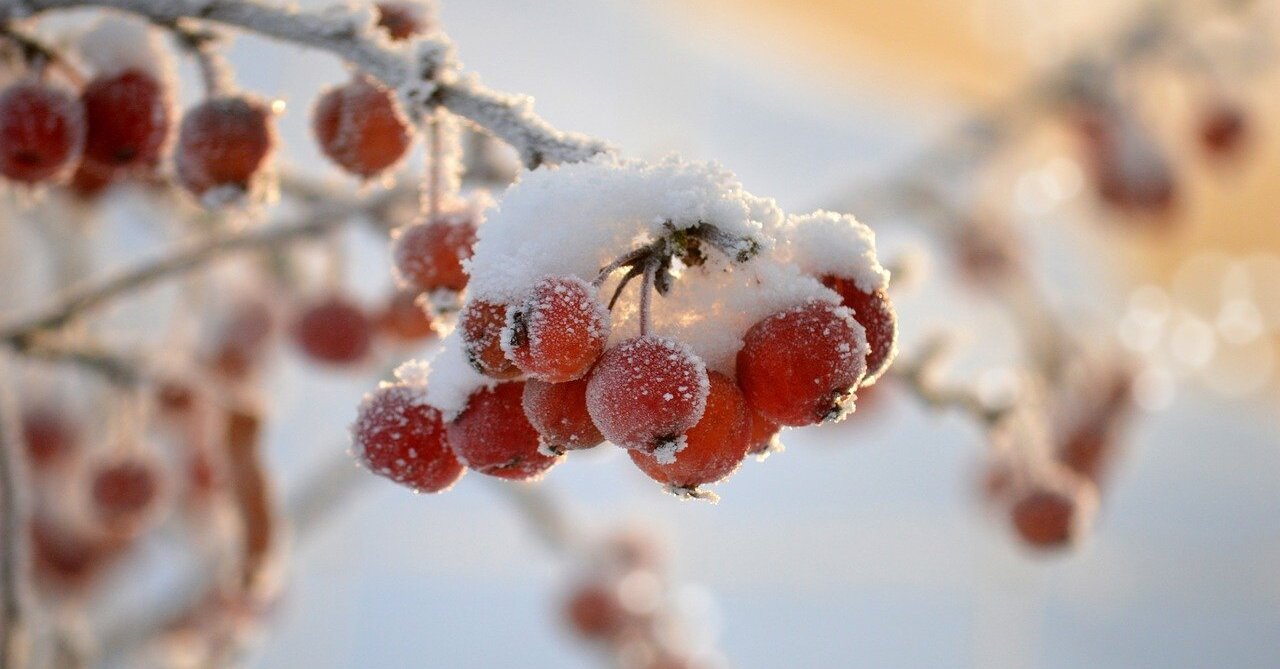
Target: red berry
124 491
242 340
50 435
1224 128
764 433
334 331
64 557
801 366
1052 515
558 411
593 610
175 398
1086 451
401 20
713 448
492 435
361 127
224 142
646 392
482 323
874 312
41 131
399 436
404 319
429 255
127 116
558 332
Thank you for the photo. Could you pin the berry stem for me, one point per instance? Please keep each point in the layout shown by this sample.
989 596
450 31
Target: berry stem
38 55
215 73
646 295
435 167
631 258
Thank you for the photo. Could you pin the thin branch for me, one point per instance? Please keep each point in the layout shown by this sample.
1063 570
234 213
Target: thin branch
12 624
920 375
183 260
420 71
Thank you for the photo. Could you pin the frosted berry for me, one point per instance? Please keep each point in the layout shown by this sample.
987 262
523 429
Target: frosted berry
801 366
593 610
492 435
558 411
41 132
646 392
127 118
401 20
51 437
1052 515
399 436
335 331
764 433
429 256
361 127
874 312
175 398
713 448
482 323
224 142
125 491
558 332
404 319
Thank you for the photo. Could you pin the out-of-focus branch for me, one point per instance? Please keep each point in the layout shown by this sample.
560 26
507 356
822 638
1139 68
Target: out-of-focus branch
12 625
921 375
421 70
189 258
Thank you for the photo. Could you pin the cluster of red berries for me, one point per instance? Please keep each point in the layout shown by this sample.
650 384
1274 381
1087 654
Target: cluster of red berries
121 124
71 540
555 384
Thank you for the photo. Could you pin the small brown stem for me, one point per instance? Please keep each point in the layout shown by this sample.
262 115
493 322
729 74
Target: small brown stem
631 258
632 273
38 55
435 167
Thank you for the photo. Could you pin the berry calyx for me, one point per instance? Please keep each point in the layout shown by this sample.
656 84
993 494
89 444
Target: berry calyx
361 127
558 411
764 434
404 319
713 448
493 437
41 132
335 331
646 392
874 312
124 492
801 366
127 117
429 255
558 332
482 323
399 436
224 142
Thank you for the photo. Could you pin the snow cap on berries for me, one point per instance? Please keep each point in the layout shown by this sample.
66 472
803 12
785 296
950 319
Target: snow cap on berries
825 242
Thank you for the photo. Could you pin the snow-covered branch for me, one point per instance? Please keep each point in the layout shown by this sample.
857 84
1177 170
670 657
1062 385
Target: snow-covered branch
422 69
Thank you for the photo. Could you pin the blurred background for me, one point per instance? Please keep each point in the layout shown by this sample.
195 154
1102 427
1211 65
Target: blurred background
868 543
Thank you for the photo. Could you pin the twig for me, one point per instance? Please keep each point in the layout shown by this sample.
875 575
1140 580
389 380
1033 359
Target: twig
920 375
12 624
420 75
